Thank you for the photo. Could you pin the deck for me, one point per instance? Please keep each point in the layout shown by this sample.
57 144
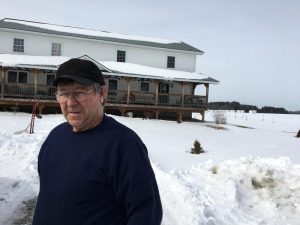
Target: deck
122 100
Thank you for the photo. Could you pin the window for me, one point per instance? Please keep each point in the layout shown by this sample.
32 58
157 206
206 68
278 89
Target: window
56 49
171 62
17 77
18 45
163 88
12 76
22 78
144 86
112 84
121 56
50 78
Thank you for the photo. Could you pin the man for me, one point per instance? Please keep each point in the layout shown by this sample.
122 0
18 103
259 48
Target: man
93 170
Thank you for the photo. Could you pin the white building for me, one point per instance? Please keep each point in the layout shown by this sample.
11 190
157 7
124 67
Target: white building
160 74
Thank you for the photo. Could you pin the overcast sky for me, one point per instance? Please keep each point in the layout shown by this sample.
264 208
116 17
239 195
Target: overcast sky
252 47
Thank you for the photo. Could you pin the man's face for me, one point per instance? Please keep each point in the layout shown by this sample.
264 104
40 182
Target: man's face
80 105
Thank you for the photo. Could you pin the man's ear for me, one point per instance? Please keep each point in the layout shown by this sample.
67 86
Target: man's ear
103 94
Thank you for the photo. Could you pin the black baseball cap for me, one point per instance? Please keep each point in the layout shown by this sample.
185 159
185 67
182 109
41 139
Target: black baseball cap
83 71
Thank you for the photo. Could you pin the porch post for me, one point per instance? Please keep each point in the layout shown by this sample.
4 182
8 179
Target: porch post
156 92
122 111
179 117
41 107
194 87
2 79
128 90
182 100
156 114
203 115
207 91
35 81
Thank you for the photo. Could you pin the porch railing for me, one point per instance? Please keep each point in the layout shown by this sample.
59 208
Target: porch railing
29 91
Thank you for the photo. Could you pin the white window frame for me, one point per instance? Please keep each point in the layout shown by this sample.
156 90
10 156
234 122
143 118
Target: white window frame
19 45
171 62
56 49
121 56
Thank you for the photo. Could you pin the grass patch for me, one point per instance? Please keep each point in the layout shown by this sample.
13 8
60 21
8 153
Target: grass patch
217 127
241 126
27 212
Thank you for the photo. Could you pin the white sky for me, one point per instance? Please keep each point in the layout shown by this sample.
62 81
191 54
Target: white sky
252 47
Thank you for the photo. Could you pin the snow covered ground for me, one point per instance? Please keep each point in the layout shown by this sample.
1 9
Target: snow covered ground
250 173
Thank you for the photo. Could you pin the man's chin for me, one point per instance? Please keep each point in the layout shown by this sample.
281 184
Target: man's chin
73 121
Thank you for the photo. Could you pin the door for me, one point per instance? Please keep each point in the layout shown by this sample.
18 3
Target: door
163 96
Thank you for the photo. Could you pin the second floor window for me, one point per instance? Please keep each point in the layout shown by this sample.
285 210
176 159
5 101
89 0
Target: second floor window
17 77
171 62
121 56
56 49
18 45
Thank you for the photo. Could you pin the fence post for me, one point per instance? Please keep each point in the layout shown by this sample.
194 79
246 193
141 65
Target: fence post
2 79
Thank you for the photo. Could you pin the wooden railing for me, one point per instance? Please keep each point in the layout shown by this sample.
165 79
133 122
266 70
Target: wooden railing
149 98
29 91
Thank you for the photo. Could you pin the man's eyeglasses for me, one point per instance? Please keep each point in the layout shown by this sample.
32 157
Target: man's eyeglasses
78 95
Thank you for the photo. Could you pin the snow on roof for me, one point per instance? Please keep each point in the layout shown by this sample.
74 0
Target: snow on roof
15 60
157 73
120 68
90 32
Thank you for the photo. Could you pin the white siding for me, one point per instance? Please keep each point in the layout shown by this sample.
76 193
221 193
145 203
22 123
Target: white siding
40 44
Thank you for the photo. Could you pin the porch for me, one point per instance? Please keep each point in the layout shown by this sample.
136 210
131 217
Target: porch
150 104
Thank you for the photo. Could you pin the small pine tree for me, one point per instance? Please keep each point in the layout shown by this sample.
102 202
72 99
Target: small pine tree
197 148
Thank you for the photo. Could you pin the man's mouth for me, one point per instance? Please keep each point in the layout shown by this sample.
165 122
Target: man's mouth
73 113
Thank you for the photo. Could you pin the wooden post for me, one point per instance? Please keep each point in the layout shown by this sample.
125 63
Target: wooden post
179 117
207 91
2 79
35 81
128 90
156 114
156 93
203 115
41 107
194 87
182 100
122 112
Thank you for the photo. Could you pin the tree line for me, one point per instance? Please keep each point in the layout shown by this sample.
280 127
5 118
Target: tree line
237 106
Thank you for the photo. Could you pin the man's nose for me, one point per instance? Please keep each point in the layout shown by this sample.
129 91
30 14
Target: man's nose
71 100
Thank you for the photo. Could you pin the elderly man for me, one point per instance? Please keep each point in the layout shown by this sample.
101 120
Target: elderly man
93 170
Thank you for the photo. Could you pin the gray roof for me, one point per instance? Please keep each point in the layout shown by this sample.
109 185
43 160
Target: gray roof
22 27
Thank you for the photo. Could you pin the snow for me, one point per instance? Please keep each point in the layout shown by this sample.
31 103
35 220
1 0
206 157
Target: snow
250 173
90 32
13 60
158 73
130 69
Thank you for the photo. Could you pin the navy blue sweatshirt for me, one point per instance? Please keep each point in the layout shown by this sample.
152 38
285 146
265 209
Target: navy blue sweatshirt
101 176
